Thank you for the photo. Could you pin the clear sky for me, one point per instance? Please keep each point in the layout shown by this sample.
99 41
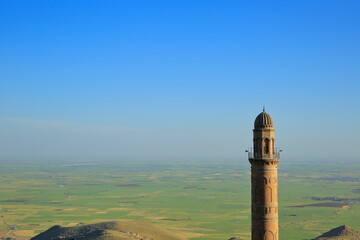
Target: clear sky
178 80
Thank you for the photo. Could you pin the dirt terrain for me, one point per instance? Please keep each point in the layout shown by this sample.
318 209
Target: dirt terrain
340 233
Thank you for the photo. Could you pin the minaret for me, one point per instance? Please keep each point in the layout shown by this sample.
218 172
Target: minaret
264 180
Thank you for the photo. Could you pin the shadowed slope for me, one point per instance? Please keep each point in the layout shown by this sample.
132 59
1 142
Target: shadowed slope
340 233
121 230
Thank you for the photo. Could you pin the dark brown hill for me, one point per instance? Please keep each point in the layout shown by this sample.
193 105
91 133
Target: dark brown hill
340 233
120 230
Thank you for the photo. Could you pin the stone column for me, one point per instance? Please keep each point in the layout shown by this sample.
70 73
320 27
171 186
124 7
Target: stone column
264 208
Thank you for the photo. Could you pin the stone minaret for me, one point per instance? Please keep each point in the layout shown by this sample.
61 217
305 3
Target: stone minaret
264 180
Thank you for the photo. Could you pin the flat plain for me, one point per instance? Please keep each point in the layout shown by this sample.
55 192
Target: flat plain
204 200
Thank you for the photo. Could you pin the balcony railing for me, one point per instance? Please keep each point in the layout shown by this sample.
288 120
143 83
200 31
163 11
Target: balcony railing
252 154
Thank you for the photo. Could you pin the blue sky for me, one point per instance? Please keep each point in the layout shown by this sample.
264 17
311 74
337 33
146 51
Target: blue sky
178 79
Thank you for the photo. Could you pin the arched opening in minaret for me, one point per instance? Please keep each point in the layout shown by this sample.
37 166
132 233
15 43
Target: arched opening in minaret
258 147
267 146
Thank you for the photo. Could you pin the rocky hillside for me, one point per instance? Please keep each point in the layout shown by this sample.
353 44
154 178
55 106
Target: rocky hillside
121 230
340 233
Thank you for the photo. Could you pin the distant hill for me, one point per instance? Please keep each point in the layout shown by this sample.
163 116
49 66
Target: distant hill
340 233
119 230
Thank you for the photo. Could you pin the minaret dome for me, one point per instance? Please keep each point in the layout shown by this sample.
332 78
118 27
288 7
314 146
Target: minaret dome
263 120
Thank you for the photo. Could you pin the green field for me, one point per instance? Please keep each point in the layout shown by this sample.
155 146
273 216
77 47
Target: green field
199 200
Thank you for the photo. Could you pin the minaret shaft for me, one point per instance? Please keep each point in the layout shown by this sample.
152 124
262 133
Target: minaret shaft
264 207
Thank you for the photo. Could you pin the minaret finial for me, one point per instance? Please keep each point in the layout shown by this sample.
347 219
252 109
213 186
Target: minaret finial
264 108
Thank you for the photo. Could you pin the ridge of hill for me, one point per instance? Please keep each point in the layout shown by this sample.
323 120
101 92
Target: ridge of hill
115 230
3 226
340 233
4 230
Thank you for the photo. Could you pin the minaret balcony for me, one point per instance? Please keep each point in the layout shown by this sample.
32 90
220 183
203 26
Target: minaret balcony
254 155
